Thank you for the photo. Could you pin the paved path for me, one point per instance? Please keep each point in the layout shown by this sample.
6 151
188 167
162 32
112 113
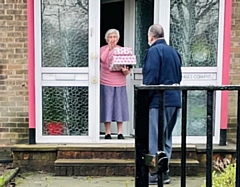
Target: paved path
48 180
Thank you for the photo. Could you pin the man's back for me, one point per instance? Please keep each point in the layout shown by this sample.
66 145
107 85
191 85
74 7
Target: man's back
163 66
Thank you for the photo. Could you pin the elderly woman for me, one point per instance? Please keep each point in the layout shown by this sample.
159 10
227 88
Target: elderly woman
113 94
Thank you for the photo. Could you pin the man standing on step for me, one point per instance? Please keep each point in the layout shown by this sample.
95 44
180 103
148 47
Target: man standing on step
162 65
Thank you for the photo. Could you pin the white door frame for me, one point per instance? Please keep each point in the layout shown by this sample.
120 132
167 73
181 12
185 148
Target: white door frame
86 76
162 16
129 40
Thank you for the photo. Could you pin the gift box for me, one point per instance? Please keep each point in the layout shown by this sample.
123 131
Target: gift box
124 60
114 67
121 56
122 51
117 62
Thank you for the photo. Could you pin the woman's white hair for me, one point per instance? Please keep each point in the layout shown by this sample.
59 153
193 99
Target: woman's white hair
111 31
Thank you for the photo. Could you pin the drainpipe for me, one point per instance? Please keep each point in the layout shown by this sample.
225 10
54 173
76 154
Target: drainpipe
31 72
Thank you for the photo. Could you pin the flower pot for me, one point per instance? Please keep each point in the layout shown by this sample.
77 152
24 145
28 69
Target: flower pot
55 128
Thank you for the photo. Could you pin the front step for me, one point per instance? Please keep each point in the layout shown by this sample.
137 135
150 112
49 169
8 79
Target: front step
94 167
192 166
42 157
114 167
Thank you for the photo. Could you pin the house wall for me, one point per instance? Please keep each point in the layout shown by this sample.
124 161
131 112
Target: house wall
14 70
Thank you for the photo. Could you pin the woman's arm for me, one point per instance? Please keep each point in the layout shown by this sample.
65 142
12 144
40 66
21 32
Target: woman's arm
104 51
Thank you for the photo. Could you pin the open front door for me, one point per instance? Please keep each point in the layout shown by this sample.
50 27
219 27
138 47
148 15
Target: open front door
67 71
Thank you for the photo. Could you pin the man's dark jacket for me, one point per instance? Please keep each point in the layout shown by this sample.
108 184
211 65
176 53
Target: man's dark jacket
162 65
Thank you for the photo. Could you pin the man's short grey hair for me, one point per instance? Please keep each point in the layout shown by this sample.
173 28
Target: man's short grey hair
111 31
156 31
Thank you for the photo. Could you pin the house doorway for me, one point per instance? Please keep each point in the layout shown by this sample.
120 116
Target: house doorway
112 16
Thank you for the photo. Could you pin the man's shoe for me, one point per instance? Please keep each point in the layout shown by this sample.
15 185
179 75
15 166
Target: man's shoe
166 179
121 137
152 178
108 136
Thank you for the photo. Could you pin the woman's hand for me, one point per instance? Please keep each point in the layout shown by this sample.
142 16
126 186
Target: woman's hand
112 40
111 45
125 70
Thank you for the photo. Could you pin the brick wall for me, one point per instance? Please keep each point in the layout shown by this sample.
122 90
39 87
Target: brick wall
13 71
234 69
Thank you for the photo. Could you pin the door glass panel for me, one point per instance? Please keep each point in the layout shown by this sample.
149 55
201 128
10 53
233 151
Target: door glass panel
196 115
64 29
194 33
65 33
144 19
65 111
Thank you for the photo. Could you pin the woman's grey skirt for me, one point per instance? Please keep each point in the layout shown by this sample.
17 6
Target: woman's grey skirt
113 104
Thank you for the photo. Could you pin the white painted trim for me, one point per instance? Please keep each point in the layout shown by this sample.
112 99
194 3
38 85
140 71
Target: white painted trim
199 69
64 70
94 69
65 83
38 62
216 138
129 23
162 16
129 40
157 12
220 40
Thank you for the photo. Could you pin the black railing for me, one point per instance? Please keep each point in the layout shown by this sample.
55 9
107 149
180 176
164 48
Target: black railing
142 129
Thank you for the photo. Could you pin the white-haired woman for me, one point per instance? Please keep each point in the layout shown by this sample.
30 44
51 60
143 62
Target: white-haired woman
113 94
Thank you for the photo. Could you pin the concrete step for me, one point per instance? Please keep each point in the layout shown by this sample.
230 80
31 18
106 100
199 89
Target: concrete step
116 152
113 167
6 159
97 152
6 156
191 151
94 167
192 166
